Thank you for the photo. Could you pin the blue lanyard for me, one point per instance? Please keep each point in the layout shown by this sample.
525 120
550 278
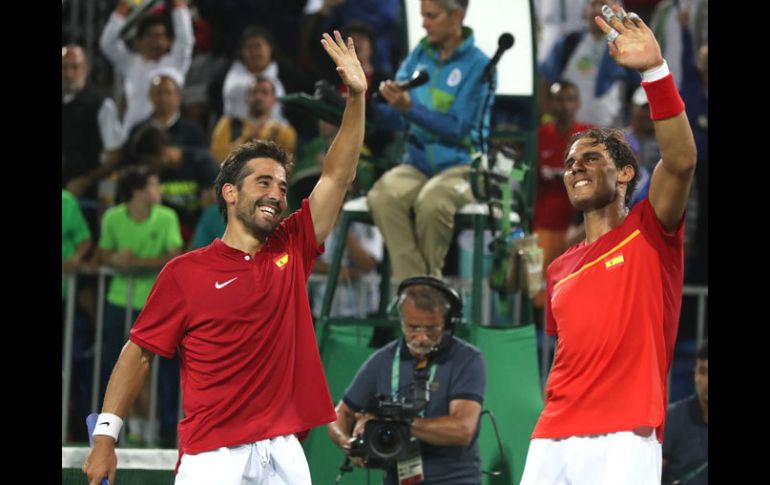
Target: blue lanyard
394 375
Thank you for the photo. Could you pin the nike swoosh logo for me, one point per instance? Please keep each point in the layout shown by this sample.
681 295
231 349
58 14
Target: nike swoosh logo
104 423
219 285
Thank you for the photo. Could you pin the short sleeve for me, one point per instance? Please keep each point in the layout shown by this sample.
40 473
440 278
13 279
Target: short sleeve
653 228
79 231
107 239
364 384
161 325
471 379
299 227
173 233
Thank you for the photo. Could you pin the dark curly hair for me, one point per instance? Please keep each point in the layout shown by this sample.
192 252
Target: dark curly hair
618 148
133 178
148 21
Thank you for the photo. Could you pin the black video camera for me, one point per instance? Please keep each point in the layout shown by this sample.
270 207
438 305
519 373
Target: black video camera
388 439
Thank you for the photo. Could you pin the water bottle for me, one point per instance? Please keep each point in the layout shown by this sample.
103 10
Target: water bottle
515 234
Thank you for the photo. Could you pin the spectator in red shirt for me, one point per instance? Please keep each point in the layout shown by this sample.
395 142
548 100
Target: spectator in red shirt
553 211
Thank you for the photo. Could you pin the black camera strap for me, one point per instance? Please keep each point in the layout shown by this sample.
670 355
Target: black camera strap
396 373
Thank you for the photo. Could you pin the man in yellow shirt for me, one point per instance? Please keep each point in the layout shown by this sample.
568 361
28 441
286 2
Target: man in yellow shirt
231 132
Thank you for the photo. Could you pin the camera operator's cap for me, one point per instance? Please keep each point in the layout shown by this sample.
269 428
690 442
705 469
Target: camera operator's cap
169 72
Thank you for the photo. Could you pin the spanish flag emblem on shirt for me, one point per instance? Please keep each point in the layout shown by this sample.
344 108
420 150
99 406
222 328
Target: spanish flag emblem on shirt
615 262
281 260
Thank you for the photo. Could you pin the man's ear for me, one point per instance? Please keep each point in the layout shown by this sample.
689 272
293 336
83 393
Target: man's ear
458 14
626 174
229 192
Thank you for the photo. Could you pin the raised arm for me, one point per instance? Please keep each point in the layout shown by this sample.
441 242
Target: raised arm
110 42
184 40
339 167
125 383
636 48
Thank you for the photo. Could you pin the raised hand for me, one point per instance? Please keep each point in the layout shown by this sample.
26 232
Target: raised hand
348 66
635 46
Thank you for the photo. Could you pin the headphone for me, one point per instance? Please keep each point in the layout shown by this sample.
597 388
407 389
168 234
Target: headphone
454 314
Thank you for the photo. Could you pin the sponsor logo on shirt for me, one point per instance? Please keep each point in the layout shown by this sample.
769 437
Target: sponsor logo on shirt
281 260
219 285
454 77
615 262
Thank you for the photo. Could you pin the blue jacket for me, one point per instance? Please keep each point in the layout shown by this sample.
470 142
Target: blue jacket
444 120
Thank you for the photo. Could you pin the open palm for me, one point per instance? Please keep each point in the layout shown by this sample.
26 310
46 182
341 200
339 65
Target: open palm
636 47
348 65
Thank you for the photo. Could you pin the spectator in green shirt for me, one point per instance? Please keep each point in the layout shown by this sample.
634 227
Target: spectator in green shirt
75 237
75 247
138 237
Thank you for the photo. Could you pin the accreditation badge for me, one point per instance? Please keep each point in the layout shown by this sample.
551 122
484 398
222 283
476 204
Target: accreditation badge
410 471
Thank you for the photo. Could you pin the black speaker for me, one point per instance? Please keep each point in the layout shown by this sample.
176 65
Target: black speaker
455 313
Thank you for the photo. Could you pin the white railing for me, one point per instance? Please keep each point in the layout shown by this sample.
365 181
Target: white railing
68 344
702 293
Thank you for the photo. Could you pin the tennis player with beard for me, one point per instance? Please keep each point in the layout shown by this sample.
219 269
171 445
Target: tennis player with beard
237 312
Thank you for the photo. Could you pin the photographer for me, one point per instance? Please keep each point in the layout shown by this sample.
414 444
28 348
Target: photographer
447 429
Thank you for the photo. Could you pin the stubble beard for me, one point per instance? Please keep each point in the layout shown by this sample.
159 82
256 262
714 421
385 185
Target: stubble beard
248 215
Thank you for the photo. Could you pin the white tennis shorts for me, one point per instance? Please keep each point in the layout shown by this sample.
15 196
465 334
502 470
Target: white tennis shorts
625 457
274 461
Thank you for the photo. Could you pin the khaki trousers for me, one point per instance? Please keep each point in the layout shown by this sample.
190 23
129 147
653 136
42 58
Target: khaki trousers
418 245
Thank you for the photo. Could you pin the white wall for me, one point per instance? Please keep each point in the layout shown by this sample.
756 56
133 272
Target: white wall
489 19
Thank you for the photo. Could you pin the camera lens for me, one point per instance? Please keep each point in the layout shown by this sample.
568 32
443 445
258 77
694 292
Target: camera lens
386 440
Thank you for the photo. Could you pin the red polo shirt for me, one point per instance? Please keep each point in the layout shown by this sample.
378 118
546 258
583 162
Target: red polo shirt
614 305
250 365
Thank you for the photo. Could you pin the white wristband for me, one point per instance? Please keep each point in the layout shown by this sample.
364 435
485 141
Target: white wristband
109 425
656 73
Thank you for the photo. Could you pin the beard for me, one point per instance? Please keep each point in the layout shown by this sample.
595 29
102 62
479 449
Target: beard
248 214
257 110
423 348
72 87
